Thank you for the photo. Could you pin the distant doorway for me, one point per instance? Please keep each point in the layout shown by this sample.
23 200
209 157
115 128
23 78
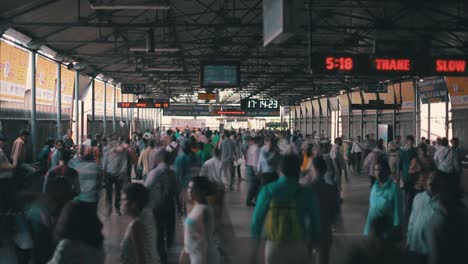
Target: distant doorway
433 120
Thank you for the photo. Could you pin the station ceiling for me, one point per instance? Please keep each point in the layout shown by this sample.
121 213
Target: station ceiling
201 30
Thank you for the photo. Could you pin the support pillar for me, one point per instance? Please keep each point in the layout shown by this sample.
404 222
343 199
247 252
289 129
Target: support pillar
77 105
59 100
104 119
93 98
114 128
428 120
32 57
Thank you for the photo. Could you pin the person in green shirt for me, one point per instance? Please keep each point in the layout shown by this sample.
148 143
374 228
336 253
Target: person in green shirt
208 149
287 189
216 138
201 154
384 200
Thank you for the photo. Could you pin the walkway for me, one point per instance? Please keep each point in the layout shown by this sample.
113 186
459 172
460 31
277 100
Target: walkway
237 225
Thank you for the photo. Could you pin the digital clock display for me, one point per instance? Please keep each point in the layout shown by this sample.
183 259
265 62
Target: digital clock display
339 63
260 104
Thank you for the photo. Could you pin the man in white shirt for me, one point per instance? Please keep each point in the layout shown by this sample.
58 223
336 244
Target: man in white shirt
356 151
251 162
446 160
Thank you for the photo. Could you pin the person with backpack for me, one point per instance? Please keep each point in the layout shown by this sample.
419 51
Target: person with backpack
162 185
61 182
289 213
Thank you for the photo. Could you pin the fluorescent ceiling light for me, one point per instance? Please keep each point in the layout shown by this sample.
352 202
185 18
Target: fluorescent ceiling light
48 51
166 49
135 49
16 36
164 69
174 81
131 7
303 88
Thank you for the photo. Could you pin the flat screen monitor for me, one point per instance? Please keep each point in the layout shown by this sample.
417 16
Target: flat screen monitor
220 75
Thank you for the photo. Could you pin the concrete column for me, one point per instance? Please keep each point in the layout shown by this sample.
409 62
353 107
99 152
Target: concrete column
114 104
77 105
104 120
32 58
93 98
59 100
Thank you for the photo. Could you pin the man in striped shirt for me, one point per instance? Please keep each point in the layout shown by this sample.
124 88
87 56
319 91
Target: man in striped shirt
89 174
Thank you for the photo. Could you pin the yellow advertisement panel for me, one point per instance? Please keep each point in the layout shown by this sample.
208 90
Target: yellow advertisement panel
13 72
68 83
98 96
458 90
407 95
46 76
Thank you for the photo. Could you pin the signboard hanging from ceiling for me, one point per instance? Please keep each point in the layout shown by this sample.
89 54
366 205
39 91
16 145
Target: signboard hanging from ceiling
134 88
220 75
278 20
458 90
433 90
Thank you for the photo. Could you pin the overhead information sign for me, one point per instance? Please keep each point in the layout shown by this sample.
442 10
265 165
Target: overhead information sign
206 96
365 64
145 103
259 104
134 88
220 75
375 87
433 90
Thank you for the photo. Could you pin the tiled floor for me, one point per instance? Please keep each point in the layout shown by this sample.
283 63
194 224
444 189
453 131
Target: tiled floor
236 220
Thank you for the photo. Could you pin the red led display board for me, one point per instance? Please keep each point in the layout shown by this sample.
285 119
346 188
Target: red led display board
450 65
392 65
142 105
230 112
339 63
372 65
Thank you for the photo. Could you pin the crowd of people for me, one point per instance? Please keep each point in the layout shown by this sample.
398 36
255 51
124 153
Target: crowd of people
294 184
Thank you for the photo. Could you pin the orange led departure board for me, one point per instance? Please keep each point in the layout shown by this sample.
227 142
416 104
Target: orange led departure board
143 105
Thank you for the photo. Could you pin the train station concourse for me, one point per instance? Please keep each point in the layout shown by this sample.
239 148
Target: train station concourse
233 131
